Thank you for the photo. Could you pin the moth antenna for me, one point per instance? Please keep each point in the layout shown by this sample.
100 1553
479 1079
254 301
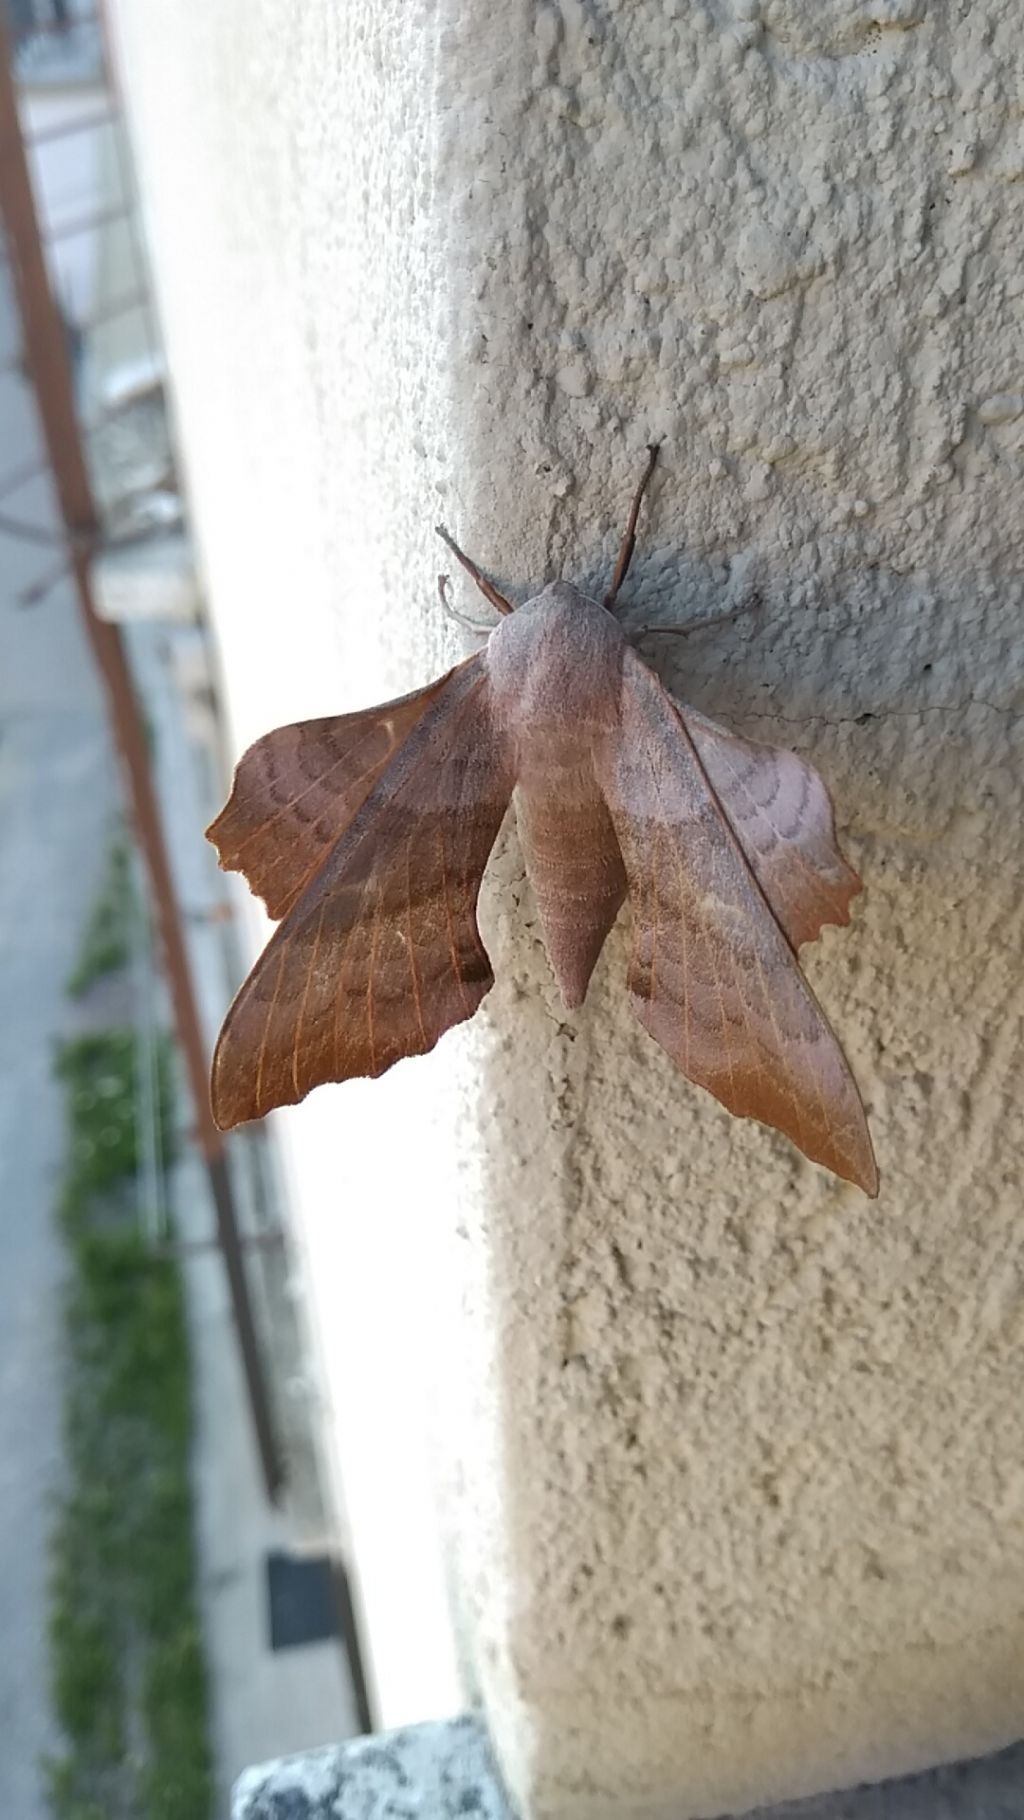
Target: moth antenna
462 619
487 588
628 543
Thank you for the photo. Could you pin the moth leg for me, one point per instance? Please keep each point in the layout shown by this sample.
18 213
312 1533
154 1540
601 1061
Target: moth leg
628 543
487 588
462 619
699 625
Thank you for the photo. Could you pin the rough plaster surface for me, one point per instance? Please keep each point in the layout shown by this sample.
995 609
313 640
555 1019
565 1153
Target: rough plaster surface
733 1461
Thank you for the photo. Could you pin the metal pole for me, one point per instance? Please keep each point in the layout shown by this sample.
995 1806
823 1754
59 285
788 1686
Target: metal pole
47 362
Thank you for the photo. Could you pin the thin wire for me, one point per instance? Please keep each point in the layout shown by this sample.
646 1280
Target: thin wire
68 128
49 540
86 542
84 224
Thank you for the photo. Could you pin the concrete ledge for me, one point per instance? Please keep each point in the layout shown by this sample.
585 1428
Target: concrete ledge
445 1770
440 1771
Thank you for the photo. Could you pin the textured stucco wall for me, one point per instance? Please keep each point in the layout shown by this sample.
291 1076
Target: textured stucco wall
733 1460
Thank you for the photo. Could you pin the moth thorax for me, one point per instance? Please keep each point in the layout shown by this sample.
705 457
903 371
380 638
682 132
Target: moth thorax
556 665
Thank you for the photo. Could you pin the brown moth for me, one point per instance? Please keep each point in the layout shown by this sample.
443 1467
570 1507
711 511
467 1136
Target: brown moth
368 834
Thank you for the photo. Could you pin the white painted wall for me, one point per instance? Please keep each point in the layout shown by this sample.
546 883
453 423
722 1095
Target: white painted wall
732 1461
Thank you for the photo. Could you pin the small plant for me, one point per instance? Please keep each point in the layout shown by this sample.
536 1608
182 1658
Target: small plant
99 1073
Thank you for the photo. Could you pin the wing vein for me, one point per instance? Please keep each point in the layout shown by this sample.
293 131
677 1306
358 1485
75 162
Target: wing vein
371 966
272 1007
310 970
410 939
457 971
338 998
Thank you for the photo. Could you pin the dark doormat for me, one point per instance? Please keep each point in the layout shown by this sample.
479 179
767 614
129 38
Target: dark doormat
303 1599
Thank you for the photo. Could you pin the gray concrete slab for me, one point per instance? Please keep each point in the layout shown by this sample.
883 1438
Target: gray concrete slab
439 1771
58 791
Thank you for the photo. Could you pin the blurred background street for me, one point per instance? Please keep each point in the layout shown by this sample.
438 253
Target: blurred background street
268 1670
